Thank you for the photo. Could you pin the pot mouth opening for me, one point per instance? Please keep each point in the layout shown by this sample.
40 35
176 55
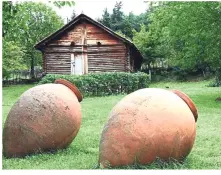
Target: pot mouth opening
72 87
188 101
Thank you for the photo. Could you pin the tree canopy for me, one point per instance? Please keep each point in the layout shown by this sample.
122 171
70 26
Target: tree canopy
187 33
122 23
25 24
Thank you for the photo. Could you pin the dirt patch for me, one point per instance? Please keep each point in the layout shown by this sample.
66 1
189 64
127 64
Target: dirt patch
218 99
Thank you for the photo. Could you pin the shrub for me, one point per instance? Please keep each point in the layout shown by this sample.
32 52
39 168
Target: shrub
217 81
103 84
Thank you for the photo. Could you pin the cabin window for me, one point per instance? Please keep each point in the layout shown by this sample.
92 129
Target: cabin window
99 44
72 43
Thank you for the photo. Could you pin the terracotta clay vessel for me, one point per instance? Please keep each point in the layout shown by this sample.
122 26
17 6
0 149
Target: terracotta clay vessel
46 117
148 124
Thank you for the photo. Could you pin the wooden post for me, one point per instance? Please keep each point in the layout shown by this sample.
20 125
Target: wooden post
84 48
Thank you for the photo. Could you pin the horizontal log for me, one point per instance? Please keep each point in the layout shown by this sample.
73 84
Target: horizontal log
95 50
56 49
58 67
58 55
111 53
92 46
54 64
105 67
51 60
106 71
58 72
106 56
92 49
86 45
52 70
58 60
106 62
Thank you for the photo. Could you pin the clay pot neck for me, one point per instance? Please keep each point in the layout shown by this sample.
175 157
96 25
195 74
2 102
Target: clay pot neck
72 87
188 101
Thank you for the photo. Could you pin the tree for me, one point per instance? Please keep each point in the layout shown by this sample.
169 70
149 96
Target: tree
137 20
8 16
10 9
125 24
187 34
36 21
12 57
106 18
73 15
117 16
145 44
63 3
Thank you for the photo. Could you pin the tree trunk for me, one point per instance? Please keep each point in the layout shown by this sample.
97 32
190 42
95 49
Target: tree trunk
32 68
149 68
204 75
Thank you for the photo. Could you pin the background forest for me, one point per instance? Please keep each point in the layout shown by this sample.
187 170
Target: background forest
182 37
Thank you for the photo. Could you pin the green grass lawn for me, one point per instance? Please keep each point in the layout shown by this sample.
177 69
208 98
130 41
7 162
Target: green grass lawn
83 152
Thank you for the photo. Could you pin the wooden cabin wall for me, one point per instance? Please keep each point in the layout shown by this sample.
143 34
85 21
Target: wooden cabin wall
96 34
74 35
106 58
111 55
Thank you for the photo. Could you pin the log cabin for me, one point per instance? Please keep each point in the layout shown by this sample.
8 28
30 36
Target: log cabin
86 46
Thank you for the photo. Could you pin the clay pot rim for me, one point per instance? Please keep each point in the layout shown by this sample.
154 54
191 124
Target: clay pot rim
188 101
71 86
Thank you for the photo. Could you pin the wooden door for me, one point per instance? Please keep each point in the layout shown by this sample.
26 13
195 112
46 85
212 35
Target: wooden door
77 64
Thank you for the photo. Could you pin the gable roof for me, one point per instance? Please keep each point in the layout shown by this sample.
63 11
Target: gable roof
70 24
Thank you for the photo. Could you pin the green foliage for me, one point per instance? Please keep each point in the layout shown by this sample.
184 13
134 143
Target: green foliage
120 22
119 32
106 18
187 33
26 23
144 43
217 81
103 84
218 76
63 3
12 57
8 12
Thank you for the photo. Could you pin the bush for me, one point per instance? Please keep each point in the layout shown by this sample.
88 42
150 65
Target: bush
103 84
217 81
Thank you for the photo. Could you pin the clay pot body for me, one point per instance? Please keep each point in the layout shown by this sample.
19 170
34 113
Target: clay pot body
46 117
147 124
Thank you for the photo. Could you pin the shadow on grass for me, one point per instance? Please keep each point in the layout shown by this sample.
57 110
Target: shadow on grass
157 164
